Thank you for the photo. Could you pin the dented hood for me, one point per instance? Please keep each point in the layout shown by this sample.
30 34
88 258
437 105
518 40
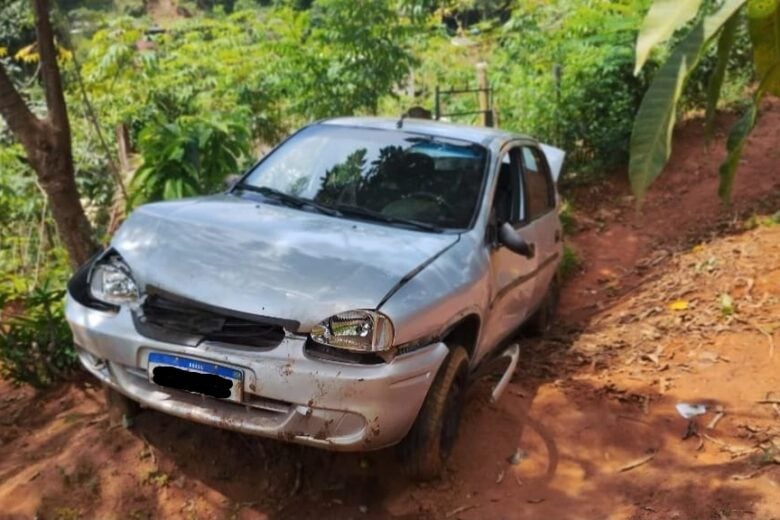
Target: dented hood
270 260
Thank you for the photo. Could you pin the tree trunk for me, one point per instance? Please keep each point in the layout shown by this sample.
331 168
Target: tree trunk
47 143
53 163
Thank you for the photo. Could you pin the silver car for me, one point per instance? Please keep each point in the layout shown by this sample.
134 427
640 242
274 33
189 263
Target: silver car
341 294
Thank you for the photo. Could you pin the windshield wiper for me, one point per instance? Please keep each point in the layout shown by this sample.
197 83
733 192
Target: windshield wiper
289 200
349 209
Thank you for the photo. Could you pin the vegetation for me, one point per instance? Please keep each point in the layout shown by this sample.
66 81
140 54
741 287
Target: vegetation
704 25
47 141
33 344
588 112
166 106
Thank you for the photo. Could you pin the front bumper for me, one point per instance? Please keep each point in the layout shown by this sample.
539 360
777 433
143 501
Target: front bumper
287 394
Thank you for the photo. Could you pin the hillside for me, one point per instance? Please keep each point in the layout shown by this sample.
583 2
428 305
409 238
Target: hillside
589 421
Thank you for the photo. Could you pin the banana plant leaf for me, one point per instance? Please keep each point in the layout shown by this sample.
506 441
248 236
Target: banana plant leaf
663 18
651 136
764 25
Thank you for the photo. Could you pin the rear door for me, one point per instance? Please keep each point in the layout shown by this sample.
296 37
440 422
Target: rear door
543 226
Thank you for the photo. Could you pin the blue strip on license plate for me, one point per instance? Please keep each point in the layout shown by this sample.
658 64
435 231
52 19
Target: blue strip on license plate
194 365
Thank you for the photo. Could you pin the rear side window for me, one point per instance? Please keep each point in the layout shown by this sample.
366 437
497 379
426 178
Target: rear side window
539 189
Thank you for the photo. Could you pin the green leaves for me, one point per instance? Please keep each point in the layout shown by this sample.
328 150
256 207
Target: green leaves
650 141
663 18
734 145
651 137
725 43
764 24
196 95
590 112
740 132
36 347
190 156
352 55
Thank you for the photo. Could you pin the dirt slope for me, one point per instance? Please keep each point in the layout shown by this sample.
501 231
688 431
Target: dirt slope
589 421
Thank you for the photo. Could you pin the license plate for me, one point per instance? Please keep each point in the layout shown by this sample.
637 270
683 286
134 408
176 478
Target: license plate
196 376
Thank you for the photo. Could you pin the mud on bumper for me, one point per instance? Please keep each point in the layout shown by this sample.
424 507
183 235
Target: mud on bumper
287 395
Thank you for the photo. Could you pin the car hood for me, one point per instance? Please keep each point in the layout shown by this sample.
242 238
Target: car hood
270 260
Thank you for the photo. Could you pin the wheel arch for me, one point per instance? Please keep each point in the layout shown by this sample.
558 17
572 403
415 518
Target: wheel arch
464 332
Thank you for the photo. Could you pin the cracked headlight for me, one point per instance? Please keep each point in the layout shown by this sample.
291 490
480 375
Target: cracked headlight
111 282
361 331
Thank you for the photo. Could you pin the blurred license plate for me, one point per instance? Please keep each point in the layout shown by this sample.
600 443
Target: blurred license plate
195 376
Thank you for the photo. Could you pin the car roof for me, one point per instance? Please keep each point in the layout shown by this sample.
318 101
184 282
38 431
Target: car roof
475 134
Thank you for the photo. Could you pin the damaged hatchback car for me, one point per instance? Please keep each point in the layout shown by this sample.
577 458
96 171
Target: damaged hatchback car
342 294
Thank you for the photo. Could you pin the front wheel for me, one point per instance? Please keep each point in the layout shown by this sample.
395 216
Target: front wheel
426 448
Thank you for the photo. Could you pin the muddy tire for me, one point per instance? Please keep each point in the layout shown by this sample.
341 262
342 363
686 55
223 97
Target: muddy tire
543 319
426 448
121 410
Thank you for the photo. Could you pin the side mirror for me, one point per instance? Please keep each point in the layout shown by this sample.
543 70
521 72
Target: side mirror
512 240
230 181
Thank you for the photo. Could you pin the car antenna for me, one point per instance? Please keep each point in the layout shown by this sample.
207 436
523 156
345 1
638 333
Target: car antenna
400 123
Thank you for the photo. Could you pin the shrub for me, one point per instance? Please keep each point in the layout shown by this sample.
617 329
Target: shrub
589 112
571 263
349 55
566 214
35 342
190 156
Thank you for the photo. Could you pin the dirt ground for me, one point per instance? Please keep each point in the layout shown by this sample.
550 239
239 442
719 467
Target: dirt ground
679 303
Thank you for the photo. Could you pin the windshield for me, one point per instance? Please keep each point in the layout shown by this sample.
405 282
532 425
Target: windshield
389 175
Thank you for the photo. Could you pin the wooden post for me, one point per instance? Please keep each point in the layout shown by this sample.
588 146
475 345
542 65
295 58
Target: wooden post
482 85
437 107
557 72
123 146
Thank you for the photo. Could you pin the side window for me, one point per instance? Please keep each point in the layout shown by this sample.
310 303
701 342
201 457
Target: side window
508 199
538 183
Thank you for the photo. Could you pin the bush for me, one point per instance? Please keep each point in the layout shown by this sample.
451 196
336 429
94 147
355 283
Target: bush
188 157
571 263
566 214
349 55
35 342
590 111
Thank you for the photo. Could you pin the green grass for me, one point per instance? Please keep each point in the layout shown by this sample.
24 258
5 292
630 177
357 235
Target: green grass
571 263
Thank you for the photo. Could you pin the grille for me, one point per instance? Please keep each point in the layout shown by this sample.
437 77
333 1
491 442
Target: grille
165 315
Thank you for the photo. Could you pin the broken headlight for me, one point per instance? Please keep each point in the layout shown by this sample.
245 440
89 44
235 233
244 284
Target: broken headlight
361 331
111 282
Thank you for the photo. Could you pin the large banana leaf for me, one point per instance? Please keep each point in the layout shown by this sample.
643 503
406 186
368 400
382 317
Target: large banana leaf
740 132
764 23
663 18
651 137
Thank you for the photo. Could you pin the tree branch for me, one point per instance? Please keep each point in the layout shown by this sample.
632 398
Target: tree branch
50 72
14 110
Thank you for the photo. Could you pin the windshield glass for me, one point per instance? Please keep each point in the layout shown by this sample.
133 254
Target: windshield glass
391 174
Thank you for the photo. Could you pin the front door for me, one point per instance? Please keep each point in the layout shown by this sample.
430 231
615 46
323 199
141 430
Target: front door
543 227
511 274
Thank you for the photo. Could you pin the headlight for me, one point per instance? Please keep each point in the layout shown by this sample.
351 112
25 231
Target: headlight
362 331
111 282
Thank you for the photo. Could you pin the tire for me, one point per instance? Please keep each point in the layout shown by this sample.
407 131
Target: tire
121 409
426 448
543 319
